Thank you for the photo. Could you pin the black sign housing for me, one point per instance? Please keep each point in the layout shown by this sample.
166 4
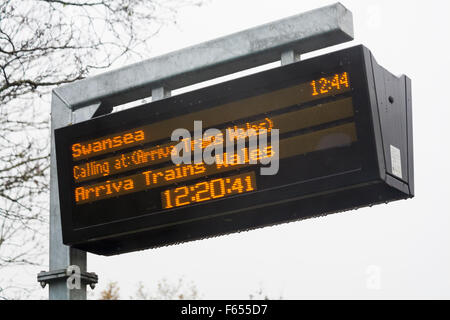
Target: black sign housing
344 94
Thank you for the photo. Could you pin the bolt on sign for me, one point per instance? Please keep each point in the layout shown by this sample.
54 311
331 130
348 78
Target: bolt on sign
344 126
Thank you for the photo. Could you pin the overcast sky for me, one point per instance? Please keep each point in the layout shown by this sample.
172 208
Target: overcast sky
405 242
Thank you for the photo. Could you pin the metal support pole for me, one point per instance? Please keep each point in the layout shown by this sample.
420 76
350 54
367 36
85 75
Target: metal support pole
61 256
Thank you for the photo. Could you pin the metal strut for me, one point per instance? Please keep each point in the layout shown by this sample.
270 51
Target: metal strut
47 277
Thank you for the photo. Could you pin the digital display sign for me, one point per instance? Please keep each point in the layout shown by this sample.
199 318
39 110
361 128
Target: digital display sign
102 169
120 190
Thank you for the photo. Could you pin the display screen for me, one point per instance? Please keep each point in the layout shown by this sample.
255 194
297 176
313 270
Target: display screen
139 159
128 171
212 117
122 186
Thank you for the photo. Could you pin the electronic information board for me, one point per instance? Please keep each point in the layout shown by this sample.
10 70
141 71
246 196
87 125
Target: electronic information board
345 141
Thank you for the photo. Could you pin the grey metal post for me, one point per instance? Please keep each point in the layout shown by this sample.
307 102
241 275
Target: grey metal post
62 256
285 39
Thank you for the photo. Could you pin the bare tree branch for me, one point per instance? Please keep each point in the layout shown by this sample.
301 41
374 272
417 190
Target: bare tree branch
43 44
